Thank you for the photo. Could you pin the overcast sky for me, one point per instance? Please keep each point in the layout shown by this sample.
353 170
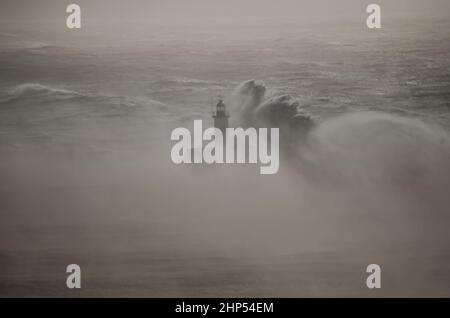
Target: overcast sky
197 11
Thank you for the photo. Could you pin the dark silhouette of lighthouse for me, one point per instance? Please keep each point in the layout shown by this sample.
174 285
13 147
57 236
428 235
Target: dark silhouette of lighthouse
221 116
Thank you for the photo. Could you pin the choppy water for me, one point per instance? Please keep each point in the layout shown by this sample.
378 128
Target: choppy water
86 175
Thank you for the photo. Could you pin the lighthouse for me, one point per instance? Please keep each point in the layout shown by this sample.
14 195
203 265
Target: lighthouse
221 116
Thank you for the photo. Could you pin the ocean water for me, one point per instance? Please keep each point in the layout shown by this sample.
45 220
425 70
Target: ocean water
86 175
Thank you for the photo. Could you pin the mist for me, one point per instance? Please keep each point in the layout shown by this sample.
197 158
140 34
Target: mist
85 169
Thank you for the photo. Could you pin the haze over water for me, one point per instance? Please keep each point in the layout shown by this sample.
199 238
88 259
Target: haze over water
86 175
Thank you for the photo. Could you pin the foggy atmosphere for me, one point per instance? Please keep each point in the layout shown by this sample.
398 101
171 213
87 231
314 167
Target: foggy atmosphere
86 175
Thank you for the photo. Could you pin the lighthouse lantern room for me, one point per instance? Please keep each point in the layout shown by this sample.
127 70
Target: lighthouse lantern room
221 116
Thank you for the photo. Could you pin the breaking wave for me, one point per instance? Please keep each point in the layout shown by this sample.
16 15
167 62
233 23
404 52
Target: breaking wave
364 146
374 146
280 111
36 94
36 90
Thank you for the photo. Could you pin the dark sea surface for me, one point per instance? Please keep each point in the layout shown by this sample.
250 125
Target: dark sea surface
86 175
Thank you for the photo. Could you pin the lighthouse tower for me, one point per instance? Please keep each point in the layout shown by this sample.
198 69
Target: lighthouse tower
221 116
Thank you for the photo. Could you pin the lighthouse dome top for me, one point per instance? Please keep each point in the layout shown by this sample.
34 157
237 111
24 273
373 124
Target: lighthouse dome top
220 104
220 110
